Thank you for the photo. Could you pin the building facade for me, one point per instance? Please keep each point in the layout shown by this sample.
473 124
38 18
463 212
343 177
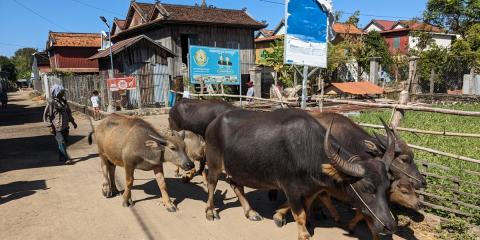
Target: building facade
178 26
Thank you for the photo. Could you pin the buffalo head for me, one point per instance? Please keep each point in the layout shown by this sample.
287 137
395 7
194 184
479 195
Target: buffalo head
403 166
169 149
403 193
368 185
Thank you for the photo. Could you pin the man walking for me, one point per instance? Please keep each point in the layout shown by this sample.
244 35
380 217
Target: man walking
57 115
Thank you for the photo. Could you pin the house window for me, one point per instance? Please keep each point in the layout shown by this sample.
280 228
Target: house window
232 44
396 43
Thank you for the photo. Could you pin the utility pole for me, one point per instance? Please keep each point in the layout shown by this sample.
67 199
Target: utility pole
110 107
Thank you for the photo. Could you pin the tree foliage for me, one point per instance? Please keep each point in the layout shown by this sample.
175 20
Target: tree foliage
23 59
274 58
456 15
354 19
8 67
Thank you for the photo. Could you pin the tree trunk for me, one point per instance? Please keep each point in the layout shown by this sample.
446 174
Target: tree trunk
432 83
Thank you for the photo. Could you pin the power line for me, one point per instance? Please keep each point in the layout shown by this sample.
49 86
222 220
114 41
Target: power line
39 15
95 7
13 44
366 15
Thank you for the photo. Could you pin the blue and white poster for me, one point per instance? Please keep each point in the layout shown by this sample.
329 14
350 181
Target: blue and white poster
308 28
214 65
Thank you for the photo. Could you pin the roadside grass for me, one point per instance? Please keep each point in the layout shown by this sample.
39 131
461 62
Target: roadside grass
468 173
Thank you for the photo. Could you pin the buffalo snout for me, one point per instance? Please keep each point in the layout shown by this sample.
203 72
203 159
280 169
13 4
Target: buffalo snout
188 165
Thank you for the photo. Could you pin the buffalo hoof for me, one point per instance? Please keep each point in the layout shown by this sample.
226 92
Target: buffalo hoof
172 209
212 215
128 203
305 236
280 222
254 216
109 193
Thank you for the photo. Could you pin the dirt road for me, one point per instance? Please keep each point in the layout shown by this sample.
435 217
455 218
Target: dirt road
40 198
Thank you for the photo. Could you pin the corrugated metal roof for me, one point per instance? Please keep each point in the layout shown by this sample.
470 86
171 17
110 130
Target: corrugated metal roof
358 88
120 46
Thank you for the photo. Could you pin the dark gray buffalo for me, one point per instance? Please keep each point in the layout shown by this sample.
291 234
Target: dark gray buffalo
289 150
195 115
134 144
405 174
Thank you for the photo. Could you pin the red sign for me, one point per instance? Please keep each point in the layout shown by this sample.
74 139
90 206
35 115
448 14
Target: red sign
116 84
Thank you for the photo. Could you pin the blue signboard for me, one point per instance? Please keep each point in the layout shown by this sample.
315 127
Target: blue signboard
307 29
214 65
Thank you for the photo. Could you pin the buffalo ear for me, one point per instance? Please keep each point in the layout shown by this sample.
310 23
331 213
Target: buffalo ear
180 134
371 146
151 144
331 171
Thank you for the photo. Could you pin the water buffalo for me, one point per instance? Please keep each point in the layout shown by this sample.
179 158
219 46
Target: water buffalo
287 149
195 148
133 144
195 115
356 140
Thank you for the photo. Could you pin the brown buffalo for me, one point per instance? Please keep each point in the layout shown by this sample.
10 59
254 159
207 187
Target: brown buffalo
195 148
133 144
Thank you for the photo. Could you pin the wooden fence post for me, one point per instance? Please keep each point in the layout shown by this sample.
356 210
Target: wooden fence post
139 92
405 94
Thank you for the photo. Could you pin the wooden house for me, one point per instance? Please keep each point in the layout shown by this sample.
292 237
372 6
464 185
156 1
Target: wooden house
136 55
144 59
69 52
177 26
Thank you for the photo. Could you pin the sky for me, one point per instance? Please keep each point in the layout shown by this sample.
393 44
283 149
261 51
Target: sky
25 23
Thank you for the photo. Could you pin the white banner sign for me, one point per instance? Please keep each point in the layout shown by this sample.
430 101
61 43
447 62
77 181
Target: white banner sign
308 28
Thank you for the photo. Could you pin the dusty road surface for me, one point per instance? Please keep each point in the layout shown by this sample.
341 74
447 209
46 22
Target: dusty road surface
40 198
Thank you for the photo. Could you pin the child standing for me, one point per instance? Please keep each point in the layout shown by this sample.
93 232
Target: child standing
95 99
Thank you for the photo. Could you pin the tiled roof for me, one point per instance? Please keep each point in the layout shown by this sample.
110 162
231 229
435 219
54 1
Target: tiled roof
184 13
415 26
120 23
346 28
147 8
385 24
193 14
269 38
60 39
358 88
266 32
120 46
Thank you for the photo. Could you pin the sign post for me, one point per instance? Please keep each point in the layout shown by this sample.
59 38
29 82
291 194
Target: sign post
308 26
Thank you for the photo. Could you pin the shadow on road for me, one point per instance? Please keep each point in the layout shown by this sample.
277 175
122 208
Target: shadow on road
32 152
20 114
16 190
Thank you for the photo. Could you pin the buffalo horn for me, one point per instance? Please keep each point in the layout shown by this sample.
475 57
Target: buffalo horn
160 140
351 169
390 152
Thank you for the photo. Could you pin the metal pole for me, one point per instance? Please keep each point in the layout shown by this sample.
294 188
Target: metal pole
241 102
110 107
304 87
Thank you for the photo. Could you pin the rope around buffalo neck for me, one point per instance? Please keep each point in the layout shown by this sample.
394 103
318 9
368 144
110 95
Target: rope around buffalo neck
368 208
408 175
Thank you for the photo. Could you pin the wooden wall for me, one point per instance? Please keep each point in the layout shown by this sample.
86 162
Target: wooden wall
170 37
140 57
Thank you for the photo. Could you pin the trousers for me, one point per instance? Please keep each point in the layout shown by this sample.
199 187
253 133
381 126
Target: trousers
62 141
